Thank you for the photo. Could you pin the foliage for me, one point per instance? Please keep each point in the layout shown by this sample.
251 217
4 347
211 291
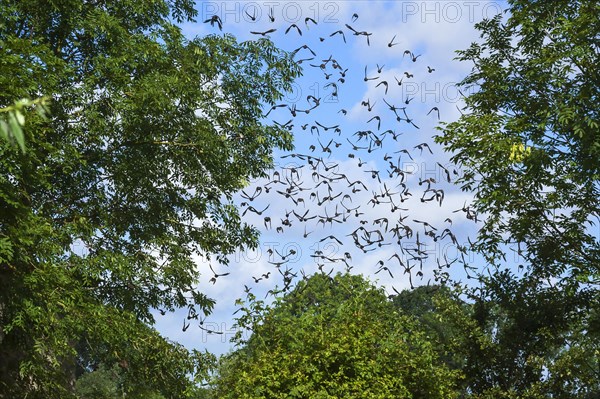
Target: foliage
423 303
11 128
513 337
102 383
127 183
530 150
108 383
529 140
520 339
333 338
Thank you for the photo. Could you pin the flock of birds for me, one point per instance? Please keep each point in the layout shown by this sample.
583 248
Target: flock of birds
348 191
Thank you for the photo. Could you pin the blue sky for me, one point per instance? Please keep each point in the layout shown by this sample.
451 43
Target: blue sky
429 30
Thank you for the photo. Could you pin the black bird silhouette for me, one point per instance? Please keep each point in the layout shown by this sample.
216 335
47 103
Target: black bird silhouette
326 148
334 86
294 111
412 56
393 108
423 145
447 172
374 174
407 119
215 19
368 105
257 192
287 125
436 109
264 33
306 233
274 107
385 84
391 43
309 19
326 128
331 237
386 269
398 258
317 101
304 47
354 146
254 210
216 275
406 152
376 117
253 16
360 33
339 32
300 61
354 31
304 217
293 26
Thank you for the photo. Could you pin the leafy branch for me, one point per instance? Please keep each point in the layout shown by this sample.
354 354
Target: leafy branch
11 125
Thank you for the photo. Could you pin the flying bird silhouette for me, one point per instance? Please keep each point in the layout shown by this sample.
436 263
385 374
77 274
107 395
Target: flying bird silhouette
265 33
215 19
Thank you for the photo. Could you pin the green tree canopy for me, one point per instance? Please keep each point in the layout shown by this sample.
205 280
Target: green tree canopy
529 141
530 150
123 186
334 337
516 338
426 304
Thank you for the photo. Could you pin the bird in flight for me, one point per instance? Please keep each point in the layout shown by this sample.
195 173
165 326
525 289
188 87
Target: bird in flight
265 33
367 78
385 84
293 26
271 15
436 109
253 16
215 19
307 20
339 32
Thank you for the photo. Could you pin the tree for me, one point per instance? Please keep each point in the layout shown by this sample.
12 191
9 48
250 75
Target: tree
425 304
332 337
127 182
519 339
102 383
529 140
529 146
